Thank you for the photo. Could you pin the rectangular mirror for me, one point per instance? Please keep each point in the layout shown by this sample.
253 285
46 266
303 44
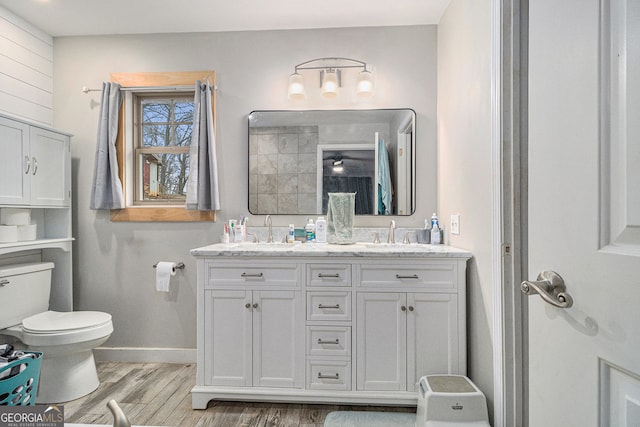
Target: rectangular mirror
297 157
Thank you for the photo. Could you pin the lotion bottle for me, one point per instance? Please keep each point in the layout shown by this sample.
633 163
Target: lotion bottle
310 230
321 230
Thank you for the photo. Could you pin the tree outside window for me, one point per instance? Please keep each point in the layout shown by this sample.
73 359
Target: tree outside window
164 126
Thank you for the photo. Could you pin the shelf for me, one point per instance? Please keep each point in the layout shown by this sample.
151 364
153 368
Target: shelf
63 244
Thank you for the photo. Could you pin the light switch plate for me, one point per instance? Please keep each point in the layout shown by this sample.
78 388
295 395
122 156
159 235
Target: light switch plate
455 224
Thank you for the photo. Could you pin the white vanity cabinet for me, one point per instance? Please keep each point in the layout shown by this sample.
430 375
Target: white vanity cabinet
327 324
253 326
34 165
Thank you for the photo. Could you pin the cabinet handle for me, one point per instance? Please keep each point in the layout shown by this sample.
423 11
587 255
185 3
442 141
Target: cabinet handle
410 308
247 305
251 275
334 276
322 376
255 305
403 308
335 307
413 276
35 165
321 341
28 164
4 282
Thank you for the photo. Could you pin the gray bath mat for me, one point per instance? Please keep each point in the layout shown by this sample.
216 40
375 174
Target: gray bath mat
369 419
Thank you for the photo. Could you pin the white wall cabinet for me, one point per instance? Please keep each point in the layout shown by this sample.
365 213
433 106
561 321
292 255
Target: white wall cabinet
318 329
35 173
34 165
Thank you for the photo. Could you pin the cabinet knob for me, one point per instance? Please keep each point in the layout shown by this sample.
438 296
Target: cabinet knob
321 341
35 165
410 308
403 308
27 162
4 282
247 305
255 305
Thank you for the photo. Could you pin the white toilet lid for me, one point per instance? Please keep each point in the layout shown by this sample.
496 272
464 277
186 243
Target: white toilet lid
55 321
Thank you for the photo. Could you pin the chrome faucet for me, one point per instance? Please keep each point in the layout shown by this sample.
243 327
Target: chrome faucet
267 222
392 231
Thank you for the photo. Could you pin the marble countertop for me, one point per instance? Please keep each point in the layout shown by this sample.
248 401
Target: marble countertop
329 250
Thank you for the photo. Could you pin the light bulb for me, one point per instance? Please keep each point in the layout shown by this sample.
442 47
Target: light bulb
296 87
364 86
330 84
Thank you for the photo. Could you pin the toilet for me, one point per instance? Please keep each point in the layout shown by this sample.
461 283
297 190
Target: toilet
66 339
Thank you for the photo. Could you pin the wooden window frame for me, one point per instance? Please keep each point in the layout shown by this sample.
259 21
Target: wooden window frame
146 213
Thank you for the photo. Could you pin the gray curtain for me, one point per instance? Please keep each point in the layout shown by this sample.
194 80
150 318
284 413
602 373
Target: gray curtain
202 187
106 191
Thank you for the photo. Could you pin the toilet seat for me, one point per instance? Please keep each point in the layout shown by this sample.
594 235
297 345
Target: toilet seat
54 328
55 322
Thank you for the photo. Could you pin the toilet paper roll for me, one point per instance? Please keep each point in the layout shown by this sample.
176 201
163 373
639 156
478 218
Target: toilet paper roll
164 271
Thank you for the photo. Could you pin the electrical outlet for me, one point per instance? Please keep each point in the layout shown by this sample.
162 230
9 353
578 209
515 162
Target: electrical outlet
455 224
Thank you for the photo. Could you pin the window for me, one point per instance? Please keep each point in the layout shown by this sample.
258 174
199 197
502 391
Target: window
153 145
162 140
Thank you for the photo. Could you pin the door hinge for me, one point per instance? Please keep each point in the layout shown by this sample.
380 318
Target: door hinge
506 249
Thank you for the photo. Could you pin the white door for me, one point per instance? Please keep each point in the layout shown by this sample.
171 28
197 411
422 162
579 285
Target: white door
15 162
584 214
381 341
432 336
50 182
227 343
278 339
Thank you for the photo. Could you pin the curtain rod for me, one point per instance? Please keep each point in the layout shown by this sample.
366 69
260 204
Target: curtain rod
86 89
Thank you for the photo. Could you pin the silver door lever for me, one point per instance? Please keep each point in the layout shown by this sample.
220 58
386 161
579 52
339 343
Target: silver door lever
551 288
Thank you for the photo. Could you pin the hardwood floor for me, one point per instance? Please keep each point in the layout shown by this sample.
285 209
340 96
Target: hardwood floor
158 394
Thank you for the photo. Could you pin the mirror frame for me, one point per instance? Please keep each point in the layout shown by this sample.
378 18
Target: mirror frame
408 125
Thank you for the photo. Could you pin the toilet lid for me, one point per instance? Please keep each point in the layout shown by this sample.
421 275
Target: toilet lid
55 321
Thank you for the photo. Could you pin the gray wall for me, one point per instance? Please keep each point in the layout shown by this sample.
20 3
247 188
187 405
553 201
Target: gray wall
113 261
465 165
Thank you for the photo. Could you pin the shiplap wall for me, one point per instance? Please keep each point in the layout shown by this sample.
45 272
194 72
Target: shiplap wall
26 70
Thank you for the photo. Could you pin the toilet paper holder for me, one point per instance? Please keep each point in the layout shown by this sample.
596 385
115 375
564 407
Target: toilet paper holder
179 265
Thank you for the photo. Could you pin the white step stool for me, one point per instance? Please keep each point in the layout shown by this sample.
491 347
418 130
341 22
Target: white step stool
451 401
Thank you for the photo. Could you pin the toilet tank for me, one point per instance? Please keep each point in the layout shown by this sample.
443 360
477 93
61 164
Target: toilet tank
24 291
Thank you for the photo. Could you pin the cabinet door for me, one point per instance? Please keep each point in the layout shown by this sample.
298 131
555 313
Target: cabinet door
432 336
278 339
50 177
227 338
15 162
381 341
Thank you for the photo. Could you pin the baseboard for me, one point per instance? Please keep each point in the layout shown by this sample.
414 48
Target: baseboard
145 354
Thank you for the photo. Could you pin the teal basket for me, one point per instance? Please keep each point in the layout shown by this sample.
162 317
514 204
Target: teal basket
21 388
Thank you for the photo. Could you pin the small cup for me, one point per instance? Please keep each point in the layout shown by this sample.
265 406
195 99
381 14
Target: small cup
424 235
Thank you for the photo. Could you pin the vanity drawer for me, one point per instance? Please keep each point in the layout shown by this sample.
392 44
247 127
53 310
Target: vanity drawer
328 340
329 374
326 305
253 274
329 274
436 275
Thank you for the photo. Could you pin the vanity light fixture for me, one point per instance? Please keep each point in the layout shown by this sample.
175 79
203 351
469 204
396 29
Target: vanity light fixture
331 77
